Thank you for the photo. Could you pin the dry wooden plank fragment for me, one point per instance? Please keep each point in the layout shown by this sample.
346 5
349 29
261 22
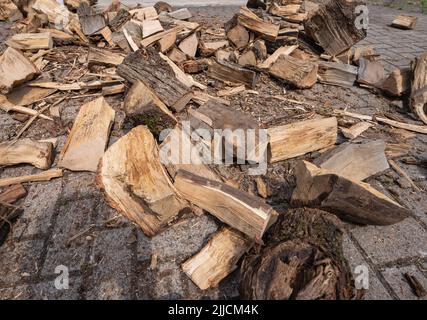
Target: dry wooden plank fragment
115 89
240 210
90 21
103 57
356 130
227 71
351 200
231 91
355 161
167 42
88 138
239 36
334 25
337 74
39 154
189 45
283 11
419 87
301 74
150 27
177 55
195 66
43 176
252 22
404 22
15 69
7 106
9 11
361 52
273 58
247 59
295 139
156 37
370 73
31 41
398 82
13 194
136 184
129 39
108 35
217 259
209 48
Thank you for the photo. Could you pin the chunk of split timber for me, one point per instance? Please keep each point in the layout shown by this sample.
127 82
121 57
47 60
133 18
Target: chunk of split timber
209 48
151 69
250 21
283 11
136 184
89 20
260 50
404 22
356 130
195 66
119 20
227 71
361 52
334 25
115 89
57 34
38 154
88 138
156 37
247 59
142 103
295 139
337 74
177 55
162 6
273 58
398 82
15 68
351 200
9 11
301 74
370 73
31 41
240 210
355 161
167 42
108 35
150 27
419 87
239 36
189 45
13 194
181 14
231 91
103 57
43 176
217 259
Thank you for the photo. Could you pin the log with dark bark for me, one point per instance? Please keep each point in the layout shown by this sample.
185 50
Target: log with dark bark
303 260
419 87
227 71
147 66
120 19
334 25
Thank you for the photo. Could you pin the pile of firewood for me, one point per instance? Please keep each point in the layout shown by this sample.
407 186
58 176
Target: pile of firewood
149 54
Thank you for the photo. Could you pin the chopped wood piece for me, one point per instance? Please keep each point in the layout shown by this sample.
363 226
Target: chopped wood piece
396 150
250 21
260 50
209 48
13 194
247 59
337 74
334 25
150 27
262 187
299 73
273 58
31 41
42 176
162 6
38 154
9 11
88 138
370 73
15 69
239 36
181 14
195 66
351 200
120 40
142 106
217 259
119 20
419 87
167 42
111 90
227 71
295 139
108 35
361 52
404 22
89 20
129 39
401 172
231 91
57 34
355 161
355 130
151 69
415 285
156 37
136 184
141 14
398 82
238 209
103 57
283 11
177 55
189 45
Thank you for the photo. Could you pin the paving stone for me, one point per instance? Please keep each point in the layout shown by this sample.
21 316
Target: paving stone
376 290
47 290
390 243
395 277
79 184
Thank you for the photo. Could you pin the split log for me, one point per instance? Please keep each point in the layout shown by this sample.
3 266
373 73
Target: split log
31 41
142 106
108 35
195 66
130 41
283 11
227 71
304 260
151 69
9 11
177 56
38 154
334 25
273 58
209 48
189 45
299 73
231 91
103 57
90 21
295 139
112 90
162 6
119 20
404 22
355 161
362 52
156 37
119 39
15 69
250 21
217 259
239 36
167 42
398 82
247 59
370 73
337 74
136 184
88 138
419 87
260 50
42 176
351 200
57 34
13 194
356 130
150 27
181 14
238 209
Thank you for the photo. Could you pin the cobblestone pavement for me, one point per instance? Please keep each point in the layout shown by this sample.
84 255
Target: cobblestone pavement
66 222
